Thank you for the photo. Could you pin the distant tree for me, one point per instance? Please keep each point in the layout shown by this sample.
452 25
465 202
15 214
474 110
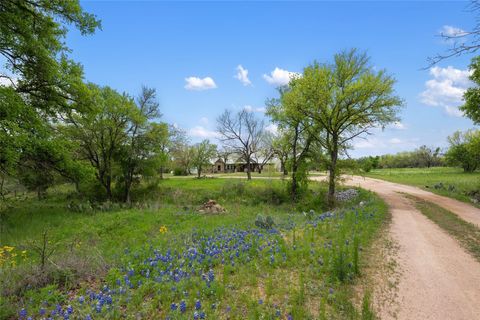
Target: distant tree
225 153
428 156
242 133
345 100
182 152
202 155
163 135
265 151
464 150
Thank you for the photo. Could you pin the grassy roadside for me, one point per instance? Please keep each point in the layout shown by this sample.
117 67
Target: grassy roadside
466 233
449 182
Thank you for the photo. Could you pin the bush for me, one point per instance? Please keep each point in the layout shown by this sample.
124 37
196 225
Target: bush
180 172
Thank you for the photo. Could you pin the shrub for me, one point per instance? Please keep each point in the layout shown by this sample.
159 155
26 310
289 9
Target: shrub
180 172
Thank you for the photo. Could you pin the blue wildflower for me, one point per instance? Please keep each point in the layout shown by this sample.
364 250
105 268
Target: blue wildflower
198 305
23 313
173 306
69 309
183 306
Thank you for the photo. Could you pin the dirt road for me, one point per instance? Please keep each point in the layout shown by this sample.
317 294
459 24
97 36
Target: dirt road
438 279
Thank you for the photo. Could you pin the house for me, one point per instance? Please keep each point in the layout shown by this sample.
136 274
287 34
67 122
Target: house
220 166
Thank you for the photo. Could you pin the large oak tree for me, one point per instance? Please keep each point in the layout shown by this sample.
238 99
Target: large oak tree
344 100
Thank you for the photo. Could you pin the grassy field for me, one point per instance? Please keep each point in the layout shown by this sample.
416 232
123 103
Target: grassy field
161 258
450 182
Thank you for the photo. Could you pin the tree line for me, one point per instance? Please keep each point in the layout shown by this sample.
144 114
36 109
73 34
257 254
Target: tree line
55 125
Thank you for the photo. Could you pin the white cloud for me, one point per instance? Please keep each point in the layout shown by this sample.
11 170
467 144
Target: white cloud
242 75
446 89
368 143
199 84
272 128
280 77
395 141
249 108
202 132
450 31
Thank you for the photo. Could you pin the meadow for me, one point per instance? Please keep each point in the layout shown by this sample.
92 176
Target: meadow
450 182
265 258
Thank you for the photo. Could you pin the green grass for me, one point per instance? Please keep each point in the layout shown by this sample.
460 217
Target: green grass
90 250
465 186
467 234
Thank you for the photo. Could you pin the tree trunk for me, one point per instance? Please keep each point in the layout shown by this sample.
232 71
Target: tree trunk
249 174
108 187
127 187
294 187
161 173
332 170
199 172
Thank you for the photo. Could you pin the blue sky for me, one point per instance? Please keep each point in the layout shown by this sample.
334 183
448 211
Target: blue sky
164 44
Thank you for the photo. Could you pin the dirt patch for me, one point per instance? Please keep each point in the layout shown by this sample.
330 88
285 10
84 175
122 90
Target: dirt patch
211 206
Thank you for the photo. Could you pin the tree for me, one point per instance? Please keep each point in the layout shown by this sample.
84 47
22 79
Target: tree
163 137
32 44
464 150
282 148
138 148
38 79
294 128
471 108
202 155
428 156
242 133
345 100
224 154
265 151
102 131
181 150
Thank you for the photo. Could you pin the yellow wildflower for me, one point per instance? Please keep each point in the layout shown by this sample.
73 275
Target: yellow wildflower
163 229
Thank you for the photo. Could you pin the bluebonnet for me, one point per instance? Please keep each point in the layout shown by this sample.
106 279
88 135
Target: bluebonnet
23 313
183 306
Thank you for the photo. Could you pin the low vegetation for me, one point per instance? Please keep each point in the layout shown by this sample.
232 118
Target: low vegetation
466 233
161 257
450 182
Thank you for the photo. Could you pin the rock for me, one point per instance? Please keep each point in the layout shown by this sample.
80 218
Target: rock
346 195
211 206
474 200
362 203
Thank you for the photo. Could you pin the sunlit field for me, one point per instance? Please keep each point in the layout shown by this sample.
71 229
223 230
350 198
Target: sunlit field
262 258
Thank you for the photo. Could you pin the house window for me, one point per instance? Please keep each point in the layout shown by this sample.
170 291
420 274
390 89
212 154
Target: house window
219 168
